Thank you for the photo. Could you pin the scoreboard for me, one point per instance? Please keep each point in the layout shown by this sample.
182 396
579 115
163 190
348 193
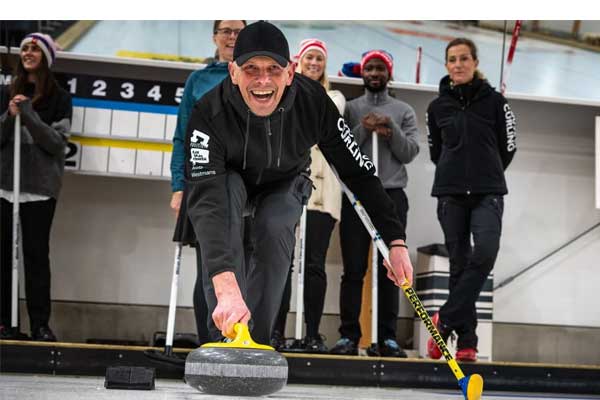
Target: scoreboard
124 112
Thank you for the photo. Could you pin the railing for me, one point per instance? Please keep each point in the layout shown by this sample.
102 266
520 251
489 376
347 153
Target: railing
539 261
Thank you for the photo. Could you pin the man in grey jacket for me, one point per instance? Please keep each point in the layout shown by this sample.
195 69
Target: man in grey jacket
393 124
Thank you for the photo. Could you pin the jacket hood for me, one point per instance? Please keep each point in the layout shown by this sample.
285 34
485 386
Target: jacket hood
469 91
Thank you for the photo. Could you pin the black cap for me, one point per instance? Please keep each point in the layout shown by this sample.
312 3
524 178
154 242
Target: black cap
261 39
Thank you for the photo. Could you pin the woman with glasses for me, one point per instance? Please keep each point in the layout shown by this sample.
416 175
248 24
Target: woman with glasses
471 142
225 33
323 212
45 111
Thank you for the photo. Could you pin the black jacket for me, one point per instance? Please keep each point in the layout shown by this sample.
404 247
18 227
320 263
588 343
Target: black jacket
472 139
223 134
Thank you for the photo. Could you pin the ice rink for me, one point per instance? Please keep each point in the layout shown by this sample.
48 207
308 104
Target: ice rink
36 387
539 68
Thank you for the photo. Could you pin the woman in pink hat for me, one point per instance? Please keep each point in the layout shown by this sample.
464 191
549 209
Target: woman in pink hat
323 212
45 109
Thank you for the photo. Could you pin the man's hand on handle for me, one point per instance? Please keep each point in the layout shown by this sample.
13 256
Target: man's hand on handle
401 268
377 123
231 307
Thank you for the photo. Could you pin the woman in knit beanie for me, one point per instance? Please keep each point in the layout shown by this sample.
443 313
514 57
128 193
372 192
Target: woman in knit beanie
323 212
45 111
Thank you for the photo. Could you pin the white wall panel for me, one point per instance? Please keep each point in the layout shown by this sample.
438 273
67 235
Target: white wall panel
124 123
94 158
77 120
97 121
149 162
166 171
121 161
152 126
171 125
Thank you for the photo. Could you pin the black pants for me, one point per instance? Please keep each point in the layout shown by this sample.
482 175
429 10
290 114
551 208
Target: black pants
461 216
319 226
200 306
355 242
36 221
262 273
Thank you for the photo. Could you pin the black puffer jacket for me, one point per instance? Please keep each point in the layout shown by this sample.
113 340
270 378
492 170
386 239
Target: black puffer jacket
472 139
223 135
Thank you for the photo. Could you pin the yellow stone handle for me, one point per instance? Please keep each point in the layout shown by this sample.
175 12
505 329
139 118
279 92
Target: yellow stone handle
242 340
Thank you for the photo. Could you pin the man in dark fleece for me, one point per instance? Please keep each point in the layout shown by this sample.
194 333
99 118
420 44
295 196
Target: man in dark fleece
248 151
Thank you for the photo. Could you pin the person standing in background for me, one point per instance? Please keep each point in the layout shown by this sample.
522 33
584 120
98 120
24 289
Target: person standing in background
322 213
394 124
471 141
225 33
46 110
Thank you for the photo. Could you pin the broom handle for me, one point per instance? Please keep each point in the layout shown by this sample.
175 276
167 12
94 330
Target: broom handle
173 300
300 294
374 261
15 222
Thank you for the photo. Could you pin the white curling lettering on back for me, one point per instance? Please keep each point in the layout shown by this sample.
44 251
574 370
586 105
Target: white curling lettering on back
352 146
510 119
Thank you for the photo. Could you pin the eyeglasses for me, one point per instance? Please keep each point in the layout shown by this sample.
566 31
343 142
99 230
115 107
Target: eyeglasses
227 31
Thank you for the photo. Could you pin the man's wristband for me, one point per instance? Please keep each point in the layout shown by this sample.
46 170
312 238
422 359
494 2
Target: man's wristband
399 245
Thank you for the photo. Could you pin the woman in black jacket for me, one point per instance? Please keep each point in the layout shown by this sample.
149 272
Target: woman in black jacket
45 111
471 141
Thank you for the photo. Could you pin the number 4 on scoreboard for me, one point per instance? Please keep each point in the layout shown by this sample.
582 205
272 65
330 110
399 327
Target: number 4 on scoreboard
154 93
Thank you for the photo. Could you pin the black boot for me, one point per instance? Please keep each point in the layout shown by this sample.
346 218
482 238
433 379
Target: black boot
315 345
43 333
390 348
346 347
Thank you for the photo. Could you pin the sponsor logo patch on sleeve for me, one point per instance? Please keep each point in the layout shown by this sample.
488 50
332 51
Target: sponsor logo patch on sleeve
199 153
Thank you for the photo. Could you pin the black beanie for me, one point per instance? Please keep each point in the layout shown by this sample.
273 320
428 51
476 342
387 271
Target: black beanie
261 39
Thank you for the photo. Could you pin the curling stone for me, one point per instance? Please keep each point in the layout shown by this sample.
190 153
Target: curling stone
238 368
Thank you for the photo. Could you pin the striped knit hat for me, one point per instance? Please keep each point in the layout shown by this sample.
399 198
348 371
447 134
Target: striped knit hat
44 42
382 55
310 44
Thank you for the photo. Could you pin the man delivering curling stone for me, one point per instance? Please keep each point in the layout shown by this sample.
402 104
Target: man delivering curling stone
248 150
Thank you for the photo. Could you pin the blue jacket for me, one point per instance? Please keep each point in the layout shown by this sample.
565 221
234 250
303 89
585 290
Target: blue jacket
198 83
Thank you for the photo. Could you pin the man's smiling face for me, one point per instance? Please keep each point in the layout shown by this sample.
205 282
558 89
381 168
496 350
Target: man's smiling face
261 81
375 75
